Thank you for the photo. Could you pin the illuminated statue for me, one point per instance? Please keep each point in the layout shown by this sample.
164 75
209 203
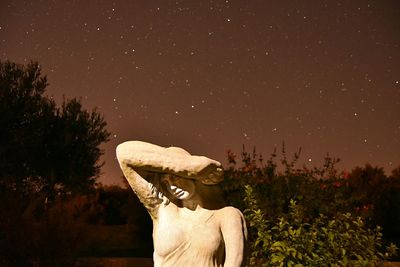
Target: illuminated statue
191 225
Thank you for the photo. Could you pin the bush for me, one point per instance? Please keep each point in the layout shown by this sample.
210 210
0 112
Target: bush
292 241
313 216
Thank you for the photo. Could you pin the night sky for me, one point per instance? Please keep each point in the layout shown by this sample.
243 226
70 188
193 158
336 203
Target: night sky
210 76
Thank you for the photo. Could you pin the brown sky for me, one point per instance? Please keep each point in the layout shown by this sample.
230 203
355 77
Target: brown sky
212 75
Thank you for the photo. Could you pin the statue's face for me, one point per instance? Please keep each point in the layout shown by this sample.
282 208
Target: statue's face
178 187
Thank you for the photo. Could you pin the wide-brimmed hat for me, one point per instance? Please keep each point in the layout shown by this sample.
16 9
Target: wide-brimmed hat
173 160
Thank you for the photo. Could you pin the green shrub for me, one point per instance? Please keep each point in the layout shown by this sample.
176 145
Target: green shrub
365 192
297 240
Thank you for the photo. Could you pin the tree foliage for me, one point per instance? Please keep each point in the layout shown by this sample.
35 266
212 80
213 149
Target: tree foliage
45 148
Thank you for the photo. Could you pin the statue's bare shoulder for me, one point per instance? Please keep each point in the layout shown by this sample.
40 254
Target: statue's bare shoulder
229 213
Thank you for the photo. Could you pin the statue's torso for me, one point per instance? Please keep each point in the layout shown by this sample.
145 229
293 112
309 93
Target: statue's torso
181 240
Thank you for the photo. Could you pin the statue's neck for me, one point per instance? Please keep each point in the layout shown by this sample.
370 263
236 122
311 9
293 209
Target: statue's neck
194 203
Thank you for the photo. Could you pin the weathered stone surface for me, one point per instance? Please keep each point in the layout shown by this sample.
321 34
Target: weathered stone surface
174 160
191 226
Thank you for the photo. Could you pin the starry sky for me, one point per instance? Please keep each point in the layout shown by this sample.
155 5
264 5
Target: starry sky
210 76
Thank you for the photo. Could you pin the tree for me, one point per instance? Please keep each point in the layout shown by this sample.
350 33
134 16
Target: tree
45 148
21 107
387 209
367 182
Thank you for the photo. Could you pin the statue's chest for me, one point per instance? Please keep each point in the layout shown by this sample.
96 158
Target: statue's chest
173 233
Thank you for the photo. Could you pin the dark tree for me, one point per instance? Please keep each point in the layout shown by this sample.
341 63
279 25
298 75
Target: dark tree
367 184
387 210
45 148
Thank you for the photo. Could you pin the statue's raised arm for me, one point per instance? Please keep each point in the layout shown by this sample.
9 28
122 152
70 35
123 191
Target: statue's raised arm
143 163
145 184
174 160
191 226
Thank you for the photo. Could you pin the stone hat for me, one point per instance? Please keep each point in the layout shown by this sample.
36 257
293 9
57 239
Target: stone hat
174 160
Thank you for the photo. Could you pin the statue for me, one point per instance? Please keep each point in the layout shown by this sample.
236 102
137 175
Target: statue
191 224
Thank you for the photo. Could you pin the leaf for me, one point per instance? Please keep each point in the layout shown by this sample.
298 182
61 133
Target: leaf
278 258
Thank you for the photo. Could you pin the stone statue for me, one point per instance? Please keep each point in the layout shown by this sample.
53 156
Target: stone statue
191 224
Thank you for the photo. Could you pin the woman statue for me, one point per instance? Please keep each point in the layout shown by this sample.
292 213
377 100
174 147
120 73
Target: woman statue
191 226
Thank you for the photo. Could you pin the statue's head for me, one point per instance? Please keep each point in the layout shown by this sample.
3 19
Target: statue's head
178 187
